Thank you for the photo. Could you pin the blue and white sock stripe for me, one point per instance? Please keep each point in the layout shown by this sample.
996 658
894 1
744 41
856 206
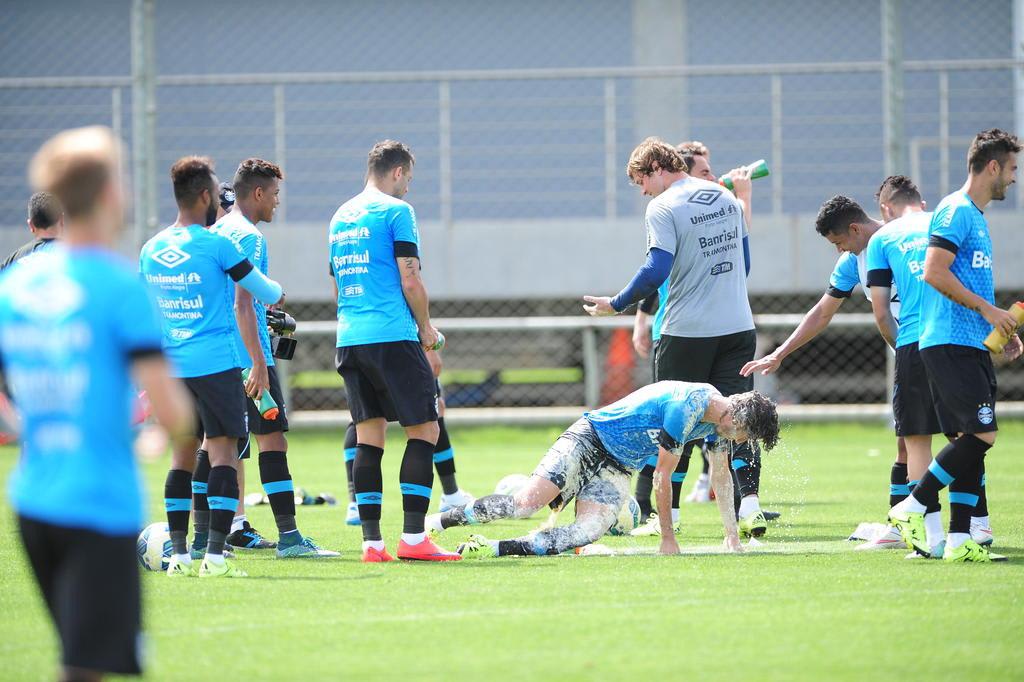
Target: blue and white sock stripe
278 487
222 503
963 498
369 498
199 488
912 484
899 489
938 472
350 454
738 464
678 477
414 489
177 504
444 455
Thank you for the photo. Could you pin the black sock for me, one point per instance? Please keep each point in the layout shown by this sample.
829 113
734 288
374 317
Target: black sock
963 498
277 484
959 458
350 458
679 475
444 460
200 508
746 462
369 487
223 500
517 547
644 487
177 503
898 489
415 477
981 509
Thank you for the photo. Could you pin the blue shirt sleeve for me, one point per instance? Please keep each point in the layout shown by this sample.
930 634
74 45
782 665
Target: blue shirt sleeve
249 244
845 276
137 324
646 281
402 220
952 223
228 255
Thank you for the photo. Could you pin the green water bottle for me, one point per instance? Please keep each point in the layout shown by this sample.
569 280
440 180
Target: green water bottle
266 404
758 169
439 344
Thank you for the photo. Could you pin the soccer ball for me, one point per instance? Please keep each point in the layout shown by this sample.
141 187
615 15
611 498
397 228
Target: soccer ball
154 547
511 484
628 519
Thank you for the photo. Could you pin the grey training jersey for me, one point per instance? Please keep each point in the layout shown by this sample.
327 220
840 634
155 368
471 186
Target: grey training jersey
701 224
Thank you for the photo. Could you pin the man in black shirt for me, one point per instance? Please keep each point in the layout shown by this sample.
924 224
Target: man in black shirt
45 220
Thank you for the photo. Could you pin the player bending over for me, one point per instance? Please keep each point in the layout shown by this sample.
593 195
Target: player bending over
595 458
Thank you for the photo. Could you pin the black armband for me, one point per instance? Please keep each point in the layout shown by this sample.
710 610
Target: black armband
240 270
943 243
666 441
838 293
406 250
880 278
145 352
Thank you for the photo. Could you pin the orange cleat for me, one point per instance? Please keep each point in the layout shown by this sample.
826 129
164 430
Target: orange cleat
376 556
425 551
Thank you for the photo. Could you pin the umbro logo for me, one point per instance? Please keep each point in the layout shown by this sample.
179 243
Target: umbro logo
170 256
705 197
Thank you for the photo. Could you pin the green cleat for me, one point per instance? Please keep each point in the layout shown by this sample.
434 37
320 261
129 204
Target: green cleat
179 569
224 570
911 527
476 547
754 526
307 549
971 552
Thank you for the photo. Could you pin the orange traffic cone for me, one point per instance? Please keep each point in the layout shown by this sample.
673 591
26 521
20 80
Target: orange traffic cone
618 371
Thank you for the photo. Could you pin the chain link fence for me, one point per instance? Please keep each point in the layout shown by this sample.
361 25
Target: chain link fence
522 117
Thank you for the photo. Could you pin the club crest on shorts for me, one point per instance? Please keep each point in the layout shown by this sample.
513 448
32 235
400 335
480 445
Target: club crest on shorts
985 414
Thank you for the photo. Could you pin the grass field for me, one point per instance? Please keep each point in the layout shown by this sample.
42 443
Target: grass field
804 606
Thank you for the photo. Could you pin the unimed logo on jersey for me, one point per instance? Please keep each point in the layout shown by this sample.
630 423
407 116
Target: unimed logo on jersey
705 197
170 256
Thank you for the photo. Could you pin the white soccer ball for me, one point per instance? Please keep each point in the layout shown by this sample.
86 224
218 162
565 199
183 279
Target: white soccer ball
154 547
628 518
511 484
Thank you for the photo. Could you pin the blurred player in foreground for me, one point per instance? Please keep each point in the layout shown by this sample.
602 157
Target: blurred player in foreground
595 458
76 325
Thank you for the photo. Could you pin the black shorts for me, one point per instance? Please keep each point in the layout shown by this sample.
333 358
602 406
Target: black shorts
220 403
714 360
912 404
391 380
963 384
90 583
257 424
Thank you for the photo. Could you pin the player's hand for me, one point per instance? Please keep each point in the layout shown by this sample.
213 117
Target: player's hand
259 380
740 181
733 544
1013 349
600 306
766 365
1000 319
280 301
642 340
428 337
669 545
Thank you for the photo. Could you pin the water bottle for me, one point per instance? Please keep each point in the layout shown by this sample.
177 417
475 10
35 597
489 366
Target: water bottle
758 169
997 340
439 344
266 404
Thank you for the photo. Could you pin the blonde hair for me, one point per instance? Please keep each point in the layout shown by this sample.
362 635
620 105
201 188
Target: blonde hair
653 154
75 166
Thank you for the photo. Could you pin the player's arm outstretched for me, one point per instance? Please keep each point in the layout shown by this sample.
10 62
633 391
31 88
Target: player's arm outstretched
667 462
814 322
721 483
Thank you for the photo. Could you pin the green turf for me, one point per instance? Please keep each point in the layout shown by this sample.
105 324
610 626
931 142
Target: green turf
807 607
517 375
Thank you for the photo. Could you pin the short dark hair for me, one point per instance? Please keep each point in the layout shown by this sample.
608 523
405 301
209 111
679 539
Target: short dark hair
836 214
387 155
690 149
253 173
44 210
898 189
758 416
988 145
191 176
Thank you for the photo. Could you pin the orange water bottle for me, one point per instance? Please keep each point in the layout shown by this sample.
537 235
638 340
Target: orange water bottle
266 404
997 340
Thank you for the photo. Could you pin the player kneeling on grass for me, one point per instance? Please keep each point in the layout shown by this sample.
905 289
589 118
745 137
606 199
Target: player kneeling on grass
595 458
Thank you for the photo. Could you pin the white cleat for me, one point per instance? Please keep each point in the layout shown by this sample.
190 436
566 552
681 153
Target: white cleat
981 535
352 515
889 539
701 491
459 498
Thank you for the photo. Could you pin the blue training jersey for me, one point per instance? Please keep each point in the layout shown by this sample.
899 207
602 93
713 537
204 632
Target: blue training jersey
958 225
668 413
895 258
371 303
251 242
851 270
71 321
659 315
186 269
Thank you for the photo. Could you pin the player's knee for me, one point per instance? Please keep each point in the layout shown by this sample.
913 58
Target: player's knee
988 437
